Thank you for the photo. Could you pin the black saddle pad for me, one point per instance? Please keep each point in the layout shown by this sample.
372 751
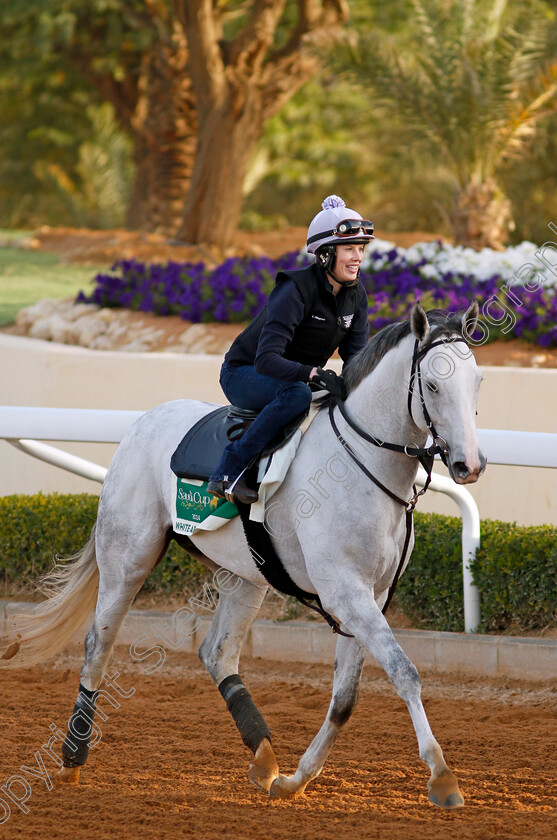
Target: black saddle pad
199 451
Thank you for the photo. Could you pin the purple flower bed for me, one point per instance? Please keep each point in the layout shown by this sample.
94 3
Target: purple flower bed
393 289
233 292
237 290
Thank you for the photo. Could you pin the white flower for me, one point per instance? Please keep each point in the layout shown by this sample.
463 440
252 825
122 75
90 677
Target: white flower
429 270
482 264
510 265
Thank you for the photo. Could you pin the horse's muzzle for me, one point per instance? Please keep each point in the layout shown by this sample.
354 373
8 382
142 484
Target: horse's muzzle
462 473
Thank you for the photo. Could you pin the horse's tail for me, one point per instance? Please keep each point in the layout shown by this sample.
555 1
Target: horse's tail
71 589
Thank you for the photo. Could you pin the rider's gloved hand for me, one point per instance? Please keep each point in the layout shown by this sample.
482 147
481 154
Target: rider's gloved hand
332 383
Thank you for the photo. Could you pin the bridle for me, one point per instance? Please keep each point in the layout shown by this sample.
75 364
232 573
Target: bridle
425 455
416 374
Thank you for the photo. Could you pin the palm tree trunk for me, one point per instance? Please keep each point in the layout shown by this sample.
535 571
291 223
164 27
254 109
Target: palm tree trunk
481 216
164 126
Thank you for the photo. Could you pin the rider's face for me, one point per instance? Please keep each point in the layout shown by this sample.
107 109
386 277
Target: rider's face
348 261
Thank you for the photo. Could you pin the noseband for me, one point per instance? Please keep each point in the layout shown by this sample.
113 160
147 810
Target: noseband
425 455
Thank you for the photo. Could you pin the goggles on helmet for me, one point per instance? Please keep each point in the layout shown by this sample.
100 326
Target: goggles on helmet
348 227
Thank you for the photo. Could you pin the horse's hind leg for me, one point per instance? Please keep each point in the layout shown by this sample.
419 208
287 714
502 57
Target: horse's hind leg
349 662
220 654
119 582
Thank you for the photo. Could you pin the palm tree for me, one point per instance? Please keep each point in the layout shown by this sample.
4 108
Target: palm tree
473 81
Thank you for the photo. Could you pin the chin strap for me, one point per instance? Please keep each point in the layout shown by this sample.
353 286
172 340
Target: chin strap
347 283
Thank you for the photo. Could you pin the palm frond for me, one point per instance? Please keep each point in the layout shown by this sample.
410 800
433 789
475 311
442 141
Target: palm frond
473 85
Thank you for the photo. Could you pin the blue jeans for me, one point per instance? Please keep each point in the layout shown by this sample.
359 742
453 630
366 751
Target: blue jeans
277 401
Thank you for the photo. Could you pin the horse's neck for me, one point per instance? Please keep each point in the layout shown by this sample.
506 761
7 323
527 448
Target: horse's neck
380 406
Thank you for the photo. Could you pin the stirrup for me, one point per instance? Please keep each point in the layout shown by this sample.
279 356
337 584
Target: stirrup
238 491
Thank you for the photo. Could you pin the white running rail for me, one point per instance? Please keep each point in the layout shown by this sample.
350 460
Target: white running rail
26 427
470 516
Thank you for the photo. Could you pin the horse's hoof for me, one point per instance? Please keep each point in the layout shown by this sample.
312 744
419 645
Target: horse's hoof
263 770
444 791
69 775
284 787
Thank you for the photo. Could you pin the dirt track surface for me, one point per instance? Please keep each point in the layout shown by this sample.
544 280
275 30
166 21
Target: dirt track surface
171 763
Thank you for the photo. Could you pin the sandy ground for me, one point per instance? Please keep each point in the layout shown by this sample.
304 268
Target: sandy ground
97 246
171 763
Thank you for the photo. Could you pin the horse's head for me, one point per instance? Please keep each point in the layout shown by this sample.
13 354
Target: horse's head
443 389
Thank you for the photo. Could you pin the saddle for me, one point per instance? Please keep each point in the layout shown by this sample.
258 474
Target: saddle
198 453
197 456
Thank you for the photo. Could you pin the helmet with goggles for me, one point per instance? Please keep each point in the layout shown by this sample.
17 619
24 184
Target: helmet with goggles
336 224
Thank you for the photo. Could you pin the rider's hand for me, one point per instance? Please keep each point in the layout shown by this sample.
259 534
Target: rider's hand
329 380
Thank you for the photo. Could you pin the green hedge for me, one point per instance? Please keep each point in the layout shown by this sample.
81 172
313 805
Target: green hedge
515 567
430 590
516 571
34 530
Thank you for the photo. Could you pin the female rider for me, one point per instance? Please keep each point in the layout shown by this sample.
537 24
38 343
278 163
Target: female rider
310 313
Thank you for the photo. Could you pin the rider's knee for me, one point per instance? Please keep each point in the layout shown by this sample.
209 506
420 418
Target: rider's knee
299 394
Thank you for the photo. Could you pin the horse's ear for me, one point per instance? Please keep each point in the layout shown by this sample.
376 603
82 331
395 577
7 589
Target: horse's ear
470 320
418 322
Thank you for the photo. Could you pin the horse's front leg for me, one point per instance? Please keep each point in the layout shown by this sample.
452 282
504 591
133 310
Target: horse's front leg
349 660
360 615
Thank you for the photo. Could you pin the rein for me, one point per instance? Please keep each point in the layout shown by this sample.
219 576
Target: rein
425 455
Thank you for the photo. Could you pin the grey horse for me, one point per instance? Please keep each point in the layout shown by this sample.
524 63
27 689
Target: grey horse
338 534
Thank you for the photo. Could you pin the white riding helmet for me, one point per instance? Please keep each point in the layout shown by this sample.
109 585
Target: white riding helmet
337 224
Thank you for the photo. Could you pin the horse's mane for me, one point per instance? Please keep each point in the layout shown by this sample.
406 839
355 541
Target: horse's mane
441 323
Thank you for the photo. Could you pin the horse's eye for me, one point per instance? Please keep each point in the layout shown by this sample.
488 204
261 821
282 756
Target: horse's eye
431 386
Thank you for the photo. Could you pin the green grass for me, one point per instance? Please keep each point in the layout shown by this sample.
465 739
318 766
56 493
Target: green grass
29 276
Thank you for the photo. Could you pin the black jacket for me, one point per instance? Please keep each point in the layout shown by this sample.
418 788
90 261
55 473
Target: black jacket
301 326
